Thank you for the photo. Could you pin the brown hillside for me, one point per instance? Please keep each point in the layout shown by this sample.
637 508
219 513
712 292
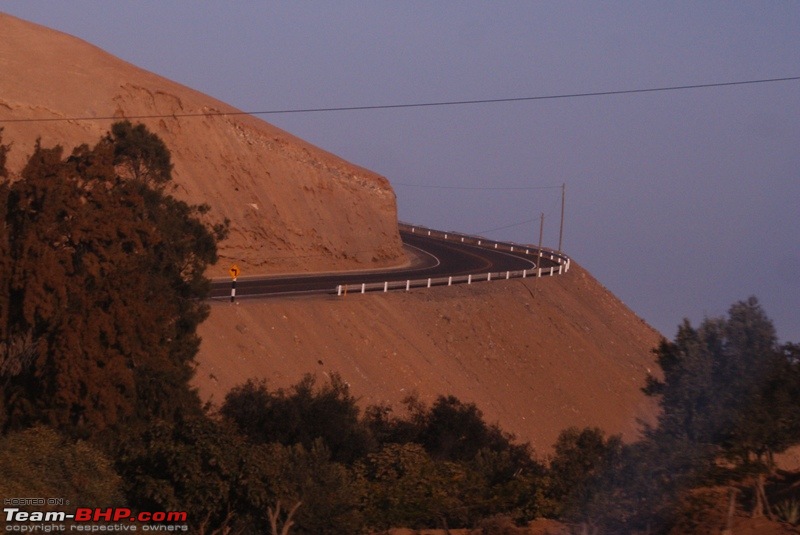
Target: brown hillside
292 206
535 355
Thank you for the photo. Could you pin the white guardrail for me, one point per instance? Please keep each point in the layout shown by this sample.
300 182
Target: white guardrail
561 260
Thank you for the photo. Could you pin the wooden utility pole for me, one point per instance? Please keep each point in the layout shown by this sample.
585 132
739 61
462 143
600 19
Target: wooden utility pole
561 230
541 231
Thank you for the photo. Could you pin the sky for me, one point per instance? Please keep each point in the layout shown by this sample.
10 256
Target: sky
679 202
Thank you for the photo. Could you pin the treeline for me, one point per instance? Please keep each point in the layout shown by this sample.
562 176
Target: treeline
729 396
101 293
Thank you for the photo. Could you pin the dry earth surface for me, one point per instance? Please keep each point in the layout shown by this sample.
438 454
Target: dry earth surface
536 356
292 206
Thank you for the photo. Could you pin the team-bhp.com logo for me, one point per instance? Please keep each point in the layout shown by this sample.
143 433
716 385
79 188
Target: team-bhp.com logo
116 519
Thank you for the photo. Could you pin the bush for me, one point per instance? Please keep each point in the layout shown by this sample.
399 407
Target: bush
301 415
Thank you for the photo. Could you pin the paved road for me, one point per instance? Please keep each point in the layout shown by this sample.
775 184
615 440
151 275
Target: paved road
438 258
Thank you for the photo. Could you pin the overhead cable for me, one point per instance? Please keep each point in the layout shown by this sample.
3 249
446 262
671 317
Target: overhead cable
416 105
481 188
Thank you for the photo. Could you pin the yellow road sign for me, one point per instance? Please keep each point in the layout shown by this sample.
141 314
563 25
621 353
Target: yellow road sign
234 271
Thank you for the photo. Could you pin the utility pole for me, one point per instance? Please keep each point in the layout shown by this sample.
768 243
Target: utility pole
561 230
541 231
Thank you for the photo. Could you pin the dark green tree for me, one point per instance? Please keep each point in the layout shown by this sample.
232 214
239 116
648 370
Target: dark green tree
581 457
302 414
200 466
406 487
726 391
141 154
41 462
329 493
493 474
714 378
770 422
99 295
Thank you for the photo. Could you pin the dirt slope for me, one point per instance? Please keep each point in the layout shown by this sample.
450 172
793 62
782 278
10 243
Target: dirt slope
535 355
292 206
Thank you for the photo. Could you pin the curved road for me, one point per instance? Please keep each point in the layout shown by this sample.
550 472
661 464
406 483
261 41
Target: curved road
442 258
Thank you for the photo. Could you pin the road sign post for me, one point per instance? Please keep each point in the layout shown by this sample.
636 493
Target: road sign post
234 273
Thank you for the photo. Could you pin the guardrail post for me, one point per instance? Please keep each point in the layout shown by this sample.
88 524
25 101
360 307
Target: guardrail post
445 235
338 289
559 269
408 285
524 273
429 282
449 281
469 279
385 286
363 287
508 275
489 276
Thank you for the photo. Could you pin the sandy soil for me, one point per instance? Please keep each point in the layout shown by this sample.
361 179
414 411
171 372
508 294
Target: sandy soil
292 206
536 356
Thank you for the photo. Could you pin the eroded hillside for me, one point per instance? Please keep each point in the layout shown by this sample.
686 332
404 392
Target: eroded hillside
292 206
536 356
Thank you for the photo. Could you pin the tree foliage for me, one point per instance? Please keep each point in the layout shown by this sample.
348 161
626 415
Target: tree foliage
141 154
727 387
39 462
98 293
406 487
576 470
302 414
199 466
101 280
728 393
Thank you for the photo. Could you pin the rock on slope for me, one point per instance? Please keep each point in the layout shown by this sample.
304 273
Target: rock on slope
291 205
536 356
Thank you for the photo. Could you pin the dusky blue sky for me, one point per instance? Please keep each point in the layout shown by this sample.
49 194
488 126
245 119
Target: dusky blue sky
679 202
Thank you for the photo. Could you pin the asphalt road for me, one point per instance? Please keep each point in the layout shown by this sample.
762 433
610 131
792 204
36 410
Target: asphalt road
437 258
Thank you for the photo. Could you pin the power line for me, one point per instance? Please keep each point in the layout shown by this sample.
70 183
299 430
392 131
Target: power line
512 225
481 188
420 104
